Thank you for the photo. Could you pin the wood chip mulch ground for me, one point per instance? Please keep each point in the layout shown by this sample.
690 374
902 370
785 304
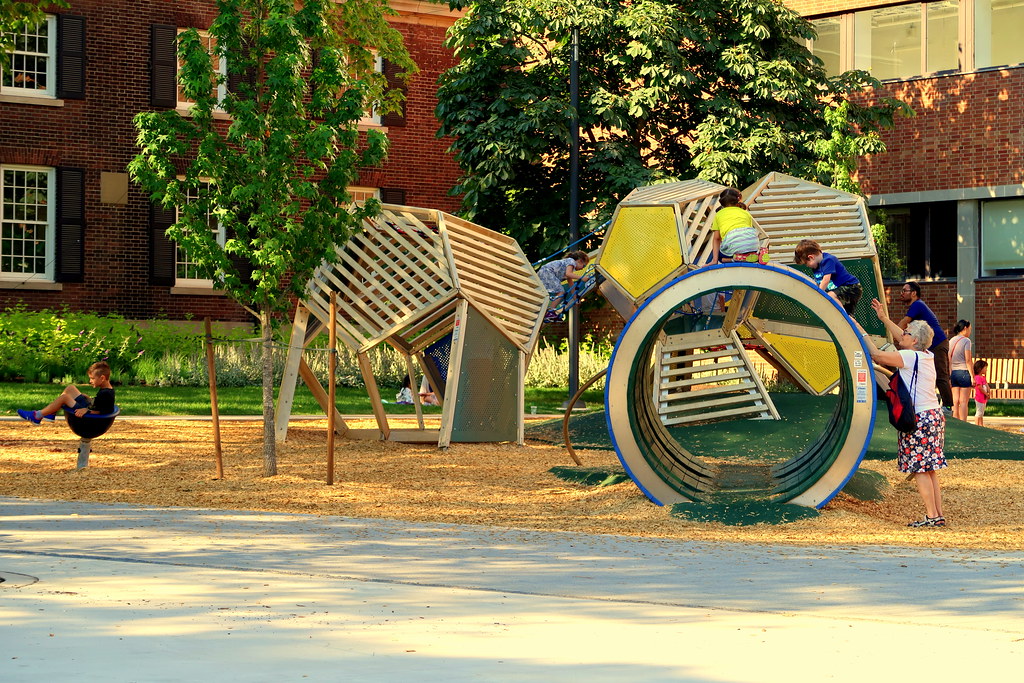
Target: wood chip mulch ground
171 463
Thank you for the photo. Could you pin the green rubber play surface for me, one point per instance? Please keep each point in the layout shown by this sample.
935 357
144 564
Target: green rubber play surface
750 445
803 417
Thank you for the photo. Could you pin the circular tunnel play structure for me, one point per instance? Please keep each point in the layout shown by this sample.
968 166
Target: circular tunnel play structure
687 392
674 368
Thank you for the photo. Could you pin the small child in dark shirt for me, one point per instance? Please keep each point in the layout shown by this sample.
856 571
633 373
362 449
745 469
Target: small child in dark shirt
71 397
831 276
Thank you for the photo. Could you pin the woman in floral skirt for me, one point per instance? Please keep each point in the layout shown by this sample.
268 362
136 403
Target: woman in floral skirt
919 452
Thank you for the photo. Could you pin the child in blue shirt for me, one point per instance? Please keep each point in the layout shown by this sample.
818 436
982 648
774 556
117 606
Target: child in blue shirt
831 276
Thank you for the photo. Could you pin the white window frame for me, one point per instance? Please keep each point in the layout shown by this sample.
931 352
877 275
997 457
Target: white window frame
373 118
1007 212
181 258
974 40
50 248
222 70
50 92
361 194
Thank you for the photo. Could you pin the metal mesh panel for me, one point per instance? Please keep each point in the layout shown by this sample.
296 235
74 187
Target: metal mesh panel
783 309
816 361
437 355
489 391
864 270
642 247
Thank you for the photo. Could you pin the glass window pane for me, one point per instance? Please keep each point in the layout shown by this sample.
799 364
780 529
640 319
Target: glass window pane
888 41
826 46
1002 235
997 35
943 36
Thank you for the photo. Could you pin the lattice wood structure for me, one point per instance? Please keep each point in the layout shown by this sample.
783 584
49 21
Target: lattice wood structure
461 300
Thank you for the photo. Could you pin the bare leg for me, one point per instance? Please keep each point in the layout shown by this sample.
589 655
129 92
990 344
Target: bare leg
67 398
937 492
928 487
961 396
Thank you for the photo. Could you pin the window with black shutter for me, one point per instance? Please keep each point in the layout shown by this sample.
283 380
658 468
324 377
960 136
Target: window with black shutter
70 225
391 72
163 66
162 251
391 195
70 57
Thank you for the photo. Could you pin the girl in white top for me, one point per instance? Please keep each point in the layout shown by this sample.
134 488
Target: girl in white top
919 452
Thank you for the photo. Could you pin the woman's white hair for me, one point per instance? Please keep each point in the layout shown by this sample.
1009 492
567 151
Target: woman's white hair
922 333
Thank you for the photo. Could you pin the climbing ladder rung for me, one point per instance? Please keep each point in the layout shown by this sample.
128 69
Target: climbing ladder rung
666 408
697 381
678 370
714 390
703 417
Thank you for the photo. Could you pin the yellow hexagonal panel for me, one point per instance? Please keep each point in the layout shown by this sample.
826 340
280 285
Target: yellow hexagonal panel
642 247
817 362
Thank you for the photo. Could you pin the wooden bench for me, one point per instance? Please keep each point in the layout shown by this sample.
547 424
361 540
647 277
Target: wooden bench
1005 378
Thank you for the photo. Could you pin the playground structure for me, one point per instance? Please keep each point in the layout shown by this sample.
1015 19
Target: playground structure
460 299
684 359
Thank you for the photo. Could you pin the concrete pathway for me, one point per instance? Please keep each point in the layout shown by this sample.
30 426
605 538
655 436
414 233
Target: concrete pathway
131 593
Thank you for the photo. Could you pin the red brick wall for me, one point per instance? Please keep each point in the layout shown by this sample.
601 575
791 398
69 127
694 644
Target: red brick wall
966 133
97 134
996 331
418 162
600 323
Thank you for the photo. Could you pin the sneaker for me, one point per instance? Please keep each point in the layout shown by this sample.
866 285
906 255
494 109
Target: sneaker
29 415
762 256
947 411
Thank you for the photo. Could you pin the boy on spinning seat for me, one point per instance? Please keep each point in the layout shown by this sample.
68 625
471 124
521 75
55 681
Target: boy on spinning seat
71 397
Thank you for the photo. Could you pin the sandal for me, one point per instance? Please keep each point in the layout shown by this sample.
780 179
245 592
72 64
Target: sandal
928 521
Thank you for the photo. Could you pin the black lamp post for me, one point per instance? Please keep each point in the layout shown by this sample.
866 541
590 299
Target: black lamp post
574 206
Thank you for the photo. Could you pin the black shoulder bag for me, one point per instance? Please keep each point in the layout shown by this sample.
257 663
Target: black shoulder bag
902 415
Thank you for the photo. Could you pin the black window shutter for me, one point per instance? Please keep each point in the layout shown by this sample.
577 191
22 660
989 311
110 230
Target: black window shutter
236 78
70 57
162 251
163 66
70 225
391 72
241 263
392 195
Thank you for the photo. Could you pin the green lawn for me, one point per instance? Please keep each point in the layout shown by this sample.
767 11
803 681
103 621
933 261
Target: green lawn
139 400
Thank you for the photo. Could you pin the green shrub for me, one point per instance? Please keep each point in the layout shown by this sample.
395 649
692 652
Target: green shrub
549 366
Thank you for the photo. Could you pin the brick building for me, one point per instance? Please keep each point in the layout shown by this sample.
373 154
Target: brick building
74 230
952 181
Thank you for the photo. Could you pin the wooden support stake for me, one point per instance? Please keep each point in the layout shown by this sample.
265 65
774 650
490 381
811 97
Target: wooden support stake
214 410
332 370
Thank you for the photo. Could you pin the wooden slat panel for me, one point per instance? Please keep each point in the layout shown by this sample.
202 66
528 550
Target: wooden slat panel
681 371
736 412
699 395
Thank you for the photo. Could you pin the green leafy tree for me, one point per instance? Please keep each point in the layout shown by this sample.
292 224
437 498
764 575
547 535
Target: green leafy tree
724 90
15 17
837 153
272 159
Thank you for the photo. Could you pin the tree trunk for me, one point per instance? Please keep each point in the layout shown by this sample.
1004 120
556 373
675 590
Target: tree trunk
269 440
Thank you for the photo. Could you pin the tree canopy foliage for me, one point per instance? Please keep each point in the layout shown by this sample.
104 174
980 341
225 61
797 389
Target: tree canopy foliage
724 90
16 16
270 159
